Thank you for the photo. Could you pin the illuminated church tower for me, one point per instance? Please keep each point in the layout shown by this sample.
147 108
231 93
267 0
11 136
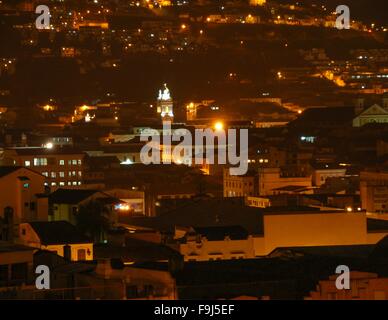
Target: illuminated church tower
165 105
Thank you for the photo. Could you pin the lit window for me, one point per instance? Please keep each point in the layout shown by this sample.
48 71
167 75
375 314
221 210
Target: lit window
27 163
61 183
69 183
62 174
79 161
79 183
40 161
26 185
61 162
74 162
79 173
53 174
45 174
74 183
53 184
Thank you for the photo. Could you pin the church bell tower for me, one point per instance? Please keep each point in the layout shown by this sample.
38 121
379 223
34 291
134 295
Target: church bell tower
165 105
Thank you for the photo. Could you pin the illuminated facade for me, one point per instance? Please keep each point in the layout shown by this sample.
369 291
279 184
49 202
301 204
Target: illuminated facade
59 237
313 229
373 114
21 199
374 191
240 186
164 3
257 2
272 178
165 105
60 166
216 243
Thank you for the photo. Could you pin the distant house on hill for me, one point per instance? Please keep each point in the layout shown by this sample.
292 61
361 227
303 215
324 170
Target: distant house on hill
60 237
65 203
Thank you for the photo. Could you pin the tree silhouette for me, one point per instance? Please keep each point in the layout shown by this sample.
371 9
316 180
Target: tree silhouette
93 220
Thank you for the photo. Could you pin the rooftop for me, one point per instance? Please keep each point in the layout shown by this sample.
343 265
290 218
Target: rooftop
6 247
71 196
337 115
27 151
209 212
6 170
218 233
58 232
135 250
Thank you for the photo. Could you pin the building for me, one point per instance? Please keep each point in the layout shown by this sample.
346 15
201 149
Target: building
258 202
257 2
137 282
373 114
273 227
240 186
16 264
363 286
309 228
292 190
216 243
374 191
135 199
285 277
60 237
324 118
61 166
165 105
129 262
271 179
22 197
66 203
382 147
322 173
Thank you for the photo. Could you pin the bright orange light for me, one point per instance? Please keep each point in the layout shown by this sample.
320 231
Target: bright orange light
123 207
219 125
48 108
49 145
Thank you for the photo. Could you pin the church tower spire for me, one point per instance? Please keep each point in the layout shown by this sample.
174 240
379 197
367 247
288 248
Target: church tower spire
165 104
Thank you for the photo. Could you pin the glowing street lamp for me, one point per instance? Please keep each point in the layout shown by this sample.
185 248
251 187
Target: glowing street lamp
49 145
219 126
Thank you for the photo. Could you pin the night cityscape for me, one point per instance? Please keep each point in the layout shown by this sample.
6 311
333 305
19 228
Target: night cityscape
193 150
